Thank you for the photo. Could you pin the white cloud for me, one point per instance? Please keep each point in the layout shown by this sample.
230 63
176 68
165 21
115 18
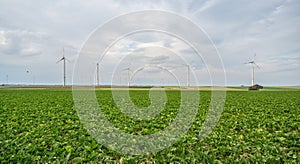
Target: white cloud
3 40
206 5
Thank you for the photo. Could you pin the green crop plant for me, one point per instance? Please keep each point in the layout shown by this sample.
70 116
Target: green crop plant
42 126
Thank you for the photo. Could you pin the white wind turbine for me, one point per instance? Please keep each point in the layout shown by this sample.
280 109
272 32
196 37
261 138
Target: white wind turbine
188 74
128 74
98 71
6 79
253 64
64 68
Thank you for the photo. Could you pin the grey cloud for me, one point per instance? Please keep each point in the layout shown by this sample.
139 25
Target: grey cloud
21 43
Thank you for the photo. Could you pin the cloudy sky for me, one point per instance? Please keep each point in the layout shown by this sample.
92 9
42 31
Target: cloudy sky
33 34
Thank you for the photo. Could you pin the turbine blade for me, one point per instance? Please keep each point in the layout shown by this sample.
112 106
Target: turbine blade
257 66
249 62
68 60
59 60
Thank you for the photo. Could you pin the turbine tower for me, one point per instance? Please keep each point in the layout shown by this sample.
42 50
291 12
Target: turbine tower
128 74
97 75
188 75
98 71
252 62
64 68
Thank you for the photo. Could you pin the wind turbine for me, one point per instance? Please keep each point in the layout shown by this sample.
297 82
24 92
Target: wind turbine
252 62
188 74
128 74
64 60
28 74
97 71
6 79
97 74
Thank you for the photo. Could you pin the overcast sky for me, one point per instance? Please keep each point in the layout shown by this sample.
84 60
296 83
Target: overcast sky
33 33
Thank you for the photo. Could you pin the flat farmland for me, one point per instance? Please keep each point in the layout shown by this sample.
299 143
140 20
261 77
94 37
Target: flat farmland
42 126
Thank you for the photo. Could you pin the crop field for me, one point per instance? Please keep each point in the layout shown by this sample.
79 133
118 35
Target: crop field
42 126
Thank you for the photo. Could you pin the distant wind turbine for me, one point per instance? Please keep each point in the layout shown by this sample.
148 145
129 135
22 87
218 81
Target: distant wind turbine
97 75
252 62
64 71
188 75
128 74
98 71
28 74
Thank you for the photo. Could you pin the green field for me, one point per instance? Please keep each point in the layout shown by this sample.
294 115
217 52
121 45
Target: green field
42 126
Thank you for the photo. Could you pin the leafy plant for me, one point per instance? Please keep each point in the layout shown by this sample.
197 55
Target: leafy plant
255 127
